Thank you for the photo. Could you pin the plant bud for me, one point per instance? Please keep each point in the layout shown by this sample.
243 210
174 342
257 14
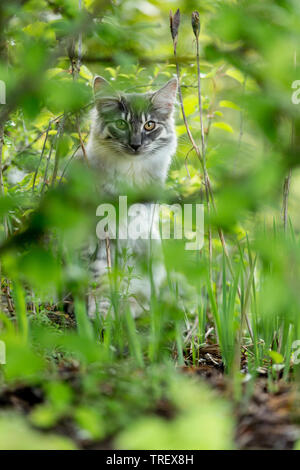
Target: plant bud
196 23
174 24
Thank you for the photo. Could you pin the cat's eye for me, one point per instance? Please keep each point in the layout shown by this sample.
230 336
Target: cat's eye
149 126
121 124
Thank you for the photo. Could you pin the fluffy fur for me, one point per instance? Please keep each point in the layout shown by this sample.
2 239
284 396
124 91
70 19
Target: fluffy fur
110 151
131 144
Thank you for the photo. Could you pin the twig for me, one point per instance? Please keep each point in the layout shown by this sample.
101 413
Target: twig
81 141
186 162
68 163
41 157
196 28
47 165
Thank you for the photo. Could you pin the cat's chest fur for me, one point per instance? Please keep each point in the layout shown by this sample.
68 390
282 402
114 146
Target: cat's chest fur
142 171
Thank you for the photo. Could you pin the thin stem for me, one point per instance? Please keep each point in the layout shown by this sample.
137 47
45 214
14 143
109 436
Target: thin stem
57 153
108 252
68 163
47 166
41 157
210 195
208 189
204 157
200 102
186 162
81 141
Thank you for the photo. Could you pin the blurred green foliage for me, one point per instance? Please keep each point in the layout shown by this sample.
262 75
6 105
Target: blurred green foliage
187 430
15 434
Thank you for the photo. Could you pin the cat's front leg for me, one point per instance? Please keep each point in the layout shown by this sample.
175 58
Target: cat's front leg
98 298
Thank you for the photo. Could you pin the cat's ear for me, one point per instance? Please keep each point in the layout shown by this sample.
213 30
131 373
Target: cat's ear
164 98
105 96
101 87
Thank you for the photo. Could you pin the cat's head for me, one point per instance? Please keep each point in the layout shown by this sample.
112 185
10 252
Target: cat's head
134 124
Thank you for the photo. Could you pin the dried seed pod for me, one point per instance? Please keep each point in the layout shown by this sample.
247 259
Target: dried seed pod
174 24
196 23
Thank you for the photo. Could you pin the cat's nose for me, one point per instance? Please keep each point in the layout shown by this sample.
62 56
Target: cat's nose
135 147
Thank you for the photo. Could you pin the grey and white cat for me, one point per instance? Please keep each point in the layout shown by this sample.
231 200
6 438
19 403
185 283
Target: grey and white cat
132 135
131 144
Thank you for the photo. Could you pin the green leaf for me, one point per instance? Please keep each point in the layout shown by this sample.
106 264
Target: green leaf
236 74
276 357
85 73
229 104
224 126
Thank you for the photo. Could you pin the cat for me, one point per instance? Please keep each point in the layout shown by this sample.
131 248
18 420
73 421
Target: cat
131 144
